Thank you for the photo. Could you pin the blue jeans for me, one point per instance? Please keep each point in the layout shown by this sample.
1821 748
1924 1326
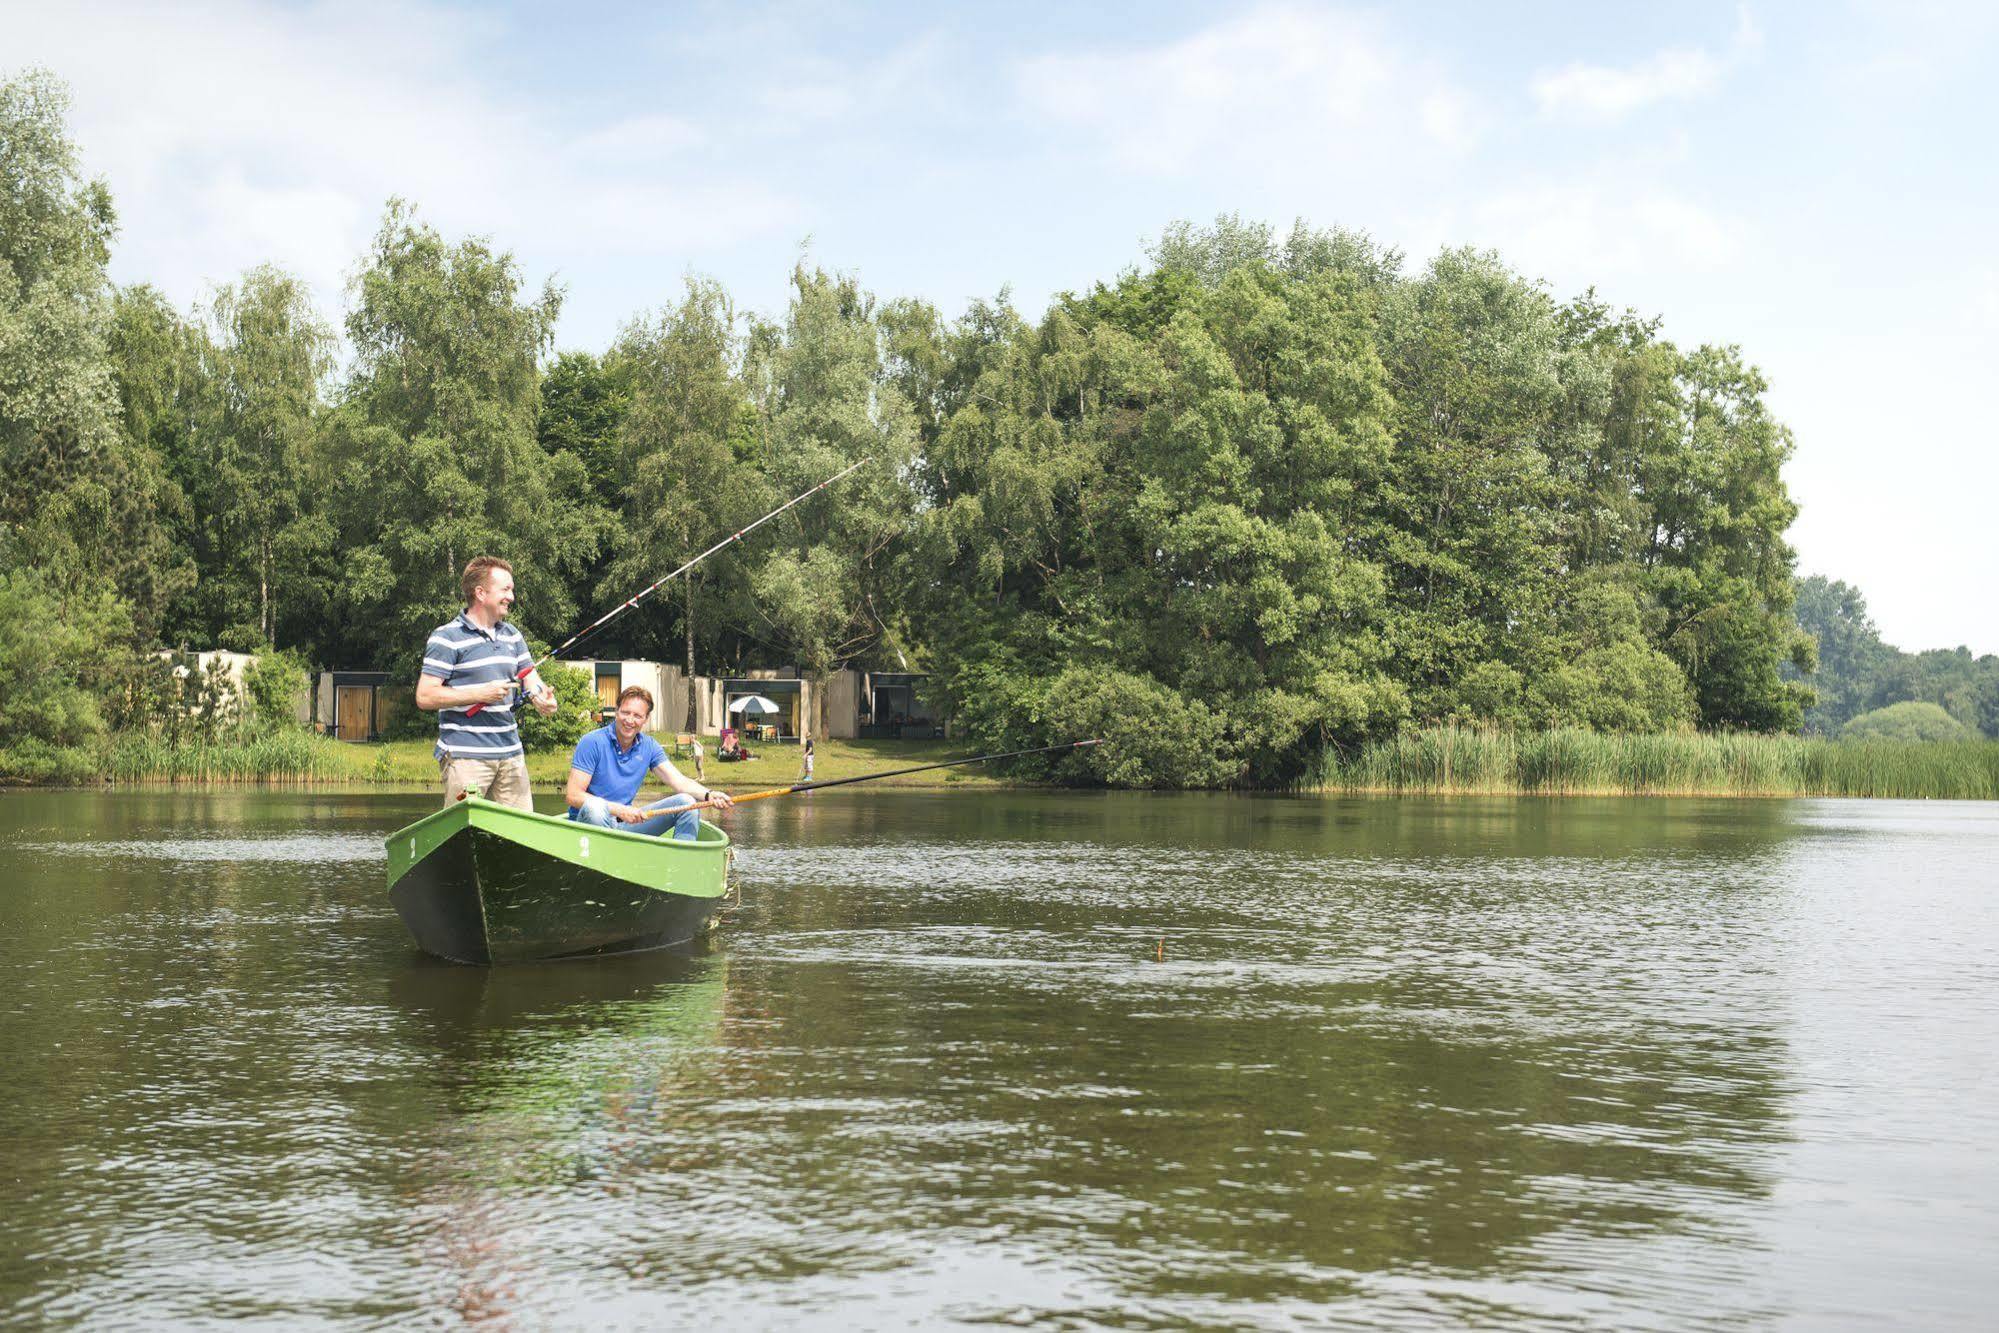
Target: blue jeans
686 825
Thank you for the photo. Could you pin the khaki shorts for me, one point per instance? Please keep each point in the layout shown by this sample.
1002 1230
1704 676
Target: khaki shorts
502 780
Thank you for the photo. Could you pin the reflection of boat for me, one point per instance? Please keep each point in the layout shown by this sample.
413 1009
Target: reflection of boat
552 1073
479 882
468 1002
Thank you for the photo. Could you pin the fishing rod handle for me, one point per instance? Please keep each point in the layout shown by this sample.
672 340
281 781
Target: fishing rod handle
522 674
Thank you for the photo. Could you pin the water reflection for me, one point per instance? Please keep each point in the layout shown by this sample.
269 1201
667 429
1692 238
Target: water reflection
1078 1060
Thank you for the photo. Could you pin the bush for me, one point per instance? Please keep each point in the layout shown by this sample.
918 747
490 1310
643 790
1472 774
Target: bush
272 687
37 761
1153 737
1909 721
575 711
58 657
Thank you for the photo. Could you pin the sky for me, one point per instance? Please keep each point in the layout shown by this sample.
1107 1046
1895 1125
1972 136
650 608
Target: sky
1813 182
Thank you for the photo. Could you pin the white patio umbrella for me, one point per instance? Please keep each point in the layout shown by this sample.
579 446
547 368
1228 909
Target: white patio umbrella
753 703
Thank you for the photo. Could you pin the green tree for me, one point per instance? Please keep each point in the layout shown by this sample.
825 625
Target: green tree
60 656
824 395
1161 486
575 709
1850 650
272 354
688 468
77 497
1468 521
1718 565
162 368
583 404
440 415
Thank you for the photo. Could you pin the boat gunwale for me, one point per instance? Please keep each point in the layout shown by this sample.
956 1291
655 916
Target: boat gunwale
474 803
475 814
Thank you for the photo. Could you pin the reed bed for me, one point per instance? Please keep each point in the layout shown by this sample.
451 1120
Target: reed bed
1572 762
278 756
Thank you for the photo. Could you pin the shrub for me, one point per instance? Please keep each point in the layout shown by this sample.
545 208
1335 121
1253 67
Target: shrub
272 687
1909 721
575 711
58 656
1153 737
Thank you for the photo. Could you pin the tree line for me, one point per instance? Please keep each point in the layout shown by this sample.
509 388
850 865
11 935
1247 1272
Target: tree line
1257 498
1859 675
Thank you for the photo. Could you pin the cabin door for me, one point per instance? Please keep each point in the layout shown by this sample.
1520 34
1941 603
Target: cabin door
352 710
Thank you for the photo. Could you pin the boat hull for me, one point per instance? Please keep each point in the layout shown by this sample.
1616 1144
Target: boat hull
483 883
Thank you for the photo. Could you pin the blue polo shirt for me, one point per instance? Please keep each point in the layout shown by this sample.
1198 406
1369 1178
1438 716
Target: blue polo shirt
462 653
615 774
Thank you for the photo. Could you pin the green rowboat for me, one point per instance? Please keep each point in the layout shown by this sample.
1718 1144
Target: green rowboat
484 883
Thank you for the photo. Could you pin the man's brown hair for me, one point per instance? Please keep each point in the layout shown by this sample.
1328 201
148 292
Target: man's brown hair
476 571
636 692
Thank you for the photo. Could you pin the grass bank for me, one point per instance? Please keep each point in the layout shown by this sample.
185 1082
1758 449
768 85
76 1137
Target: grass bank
299 757
1445 760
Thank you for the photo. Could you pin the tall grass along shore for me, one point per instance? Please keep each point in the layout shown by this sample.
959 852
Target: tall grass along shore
300 757
1563 762
1432 761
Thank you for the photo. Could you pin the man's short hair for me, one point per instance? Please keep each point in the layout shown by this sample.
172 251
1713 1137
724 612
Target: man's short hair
636 692
477 570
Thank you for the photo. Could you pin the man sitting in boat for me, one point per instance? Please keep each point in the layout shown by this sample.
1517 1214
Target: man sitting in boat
475 659
610 765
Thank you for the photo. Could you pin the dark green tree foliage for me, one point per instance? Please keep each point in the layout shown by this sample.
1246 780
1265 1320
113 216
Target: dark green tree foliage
162 369
78 499
583 403
823 396
686 472
1167 508
431 456
575 709
272 353
1718 565
1470 507
60 656
1268 495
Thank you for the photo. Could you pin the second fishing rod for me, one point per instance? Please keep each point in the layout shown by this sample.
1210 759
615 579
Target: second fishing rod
657 584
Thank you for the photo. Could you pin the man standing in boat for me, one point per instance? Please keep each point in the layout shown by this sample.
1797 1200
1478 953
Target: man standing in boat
610 765
475 659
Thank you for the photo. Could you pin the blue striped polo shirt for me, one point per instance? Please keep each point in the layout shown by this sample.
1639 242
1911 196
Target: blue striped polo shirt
461 653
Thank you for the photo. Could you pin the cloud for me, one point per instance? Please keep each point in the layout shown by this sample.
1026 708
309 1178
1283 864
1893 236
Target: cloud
1605 93
234 133
650 138
1593 232
1279 83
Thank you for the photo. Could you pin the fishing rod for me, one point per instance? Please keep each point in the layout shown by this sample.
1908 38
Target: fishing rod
892 773
629 603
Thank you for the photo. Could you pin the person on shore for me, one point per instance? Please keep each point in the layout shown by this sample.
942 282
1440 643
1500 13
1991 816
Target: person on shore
610 765
475 659
805 770
700 770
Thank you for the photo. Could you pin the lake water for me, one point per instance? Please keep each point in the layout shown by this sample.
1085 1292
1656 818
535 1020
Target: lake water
1076 1060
